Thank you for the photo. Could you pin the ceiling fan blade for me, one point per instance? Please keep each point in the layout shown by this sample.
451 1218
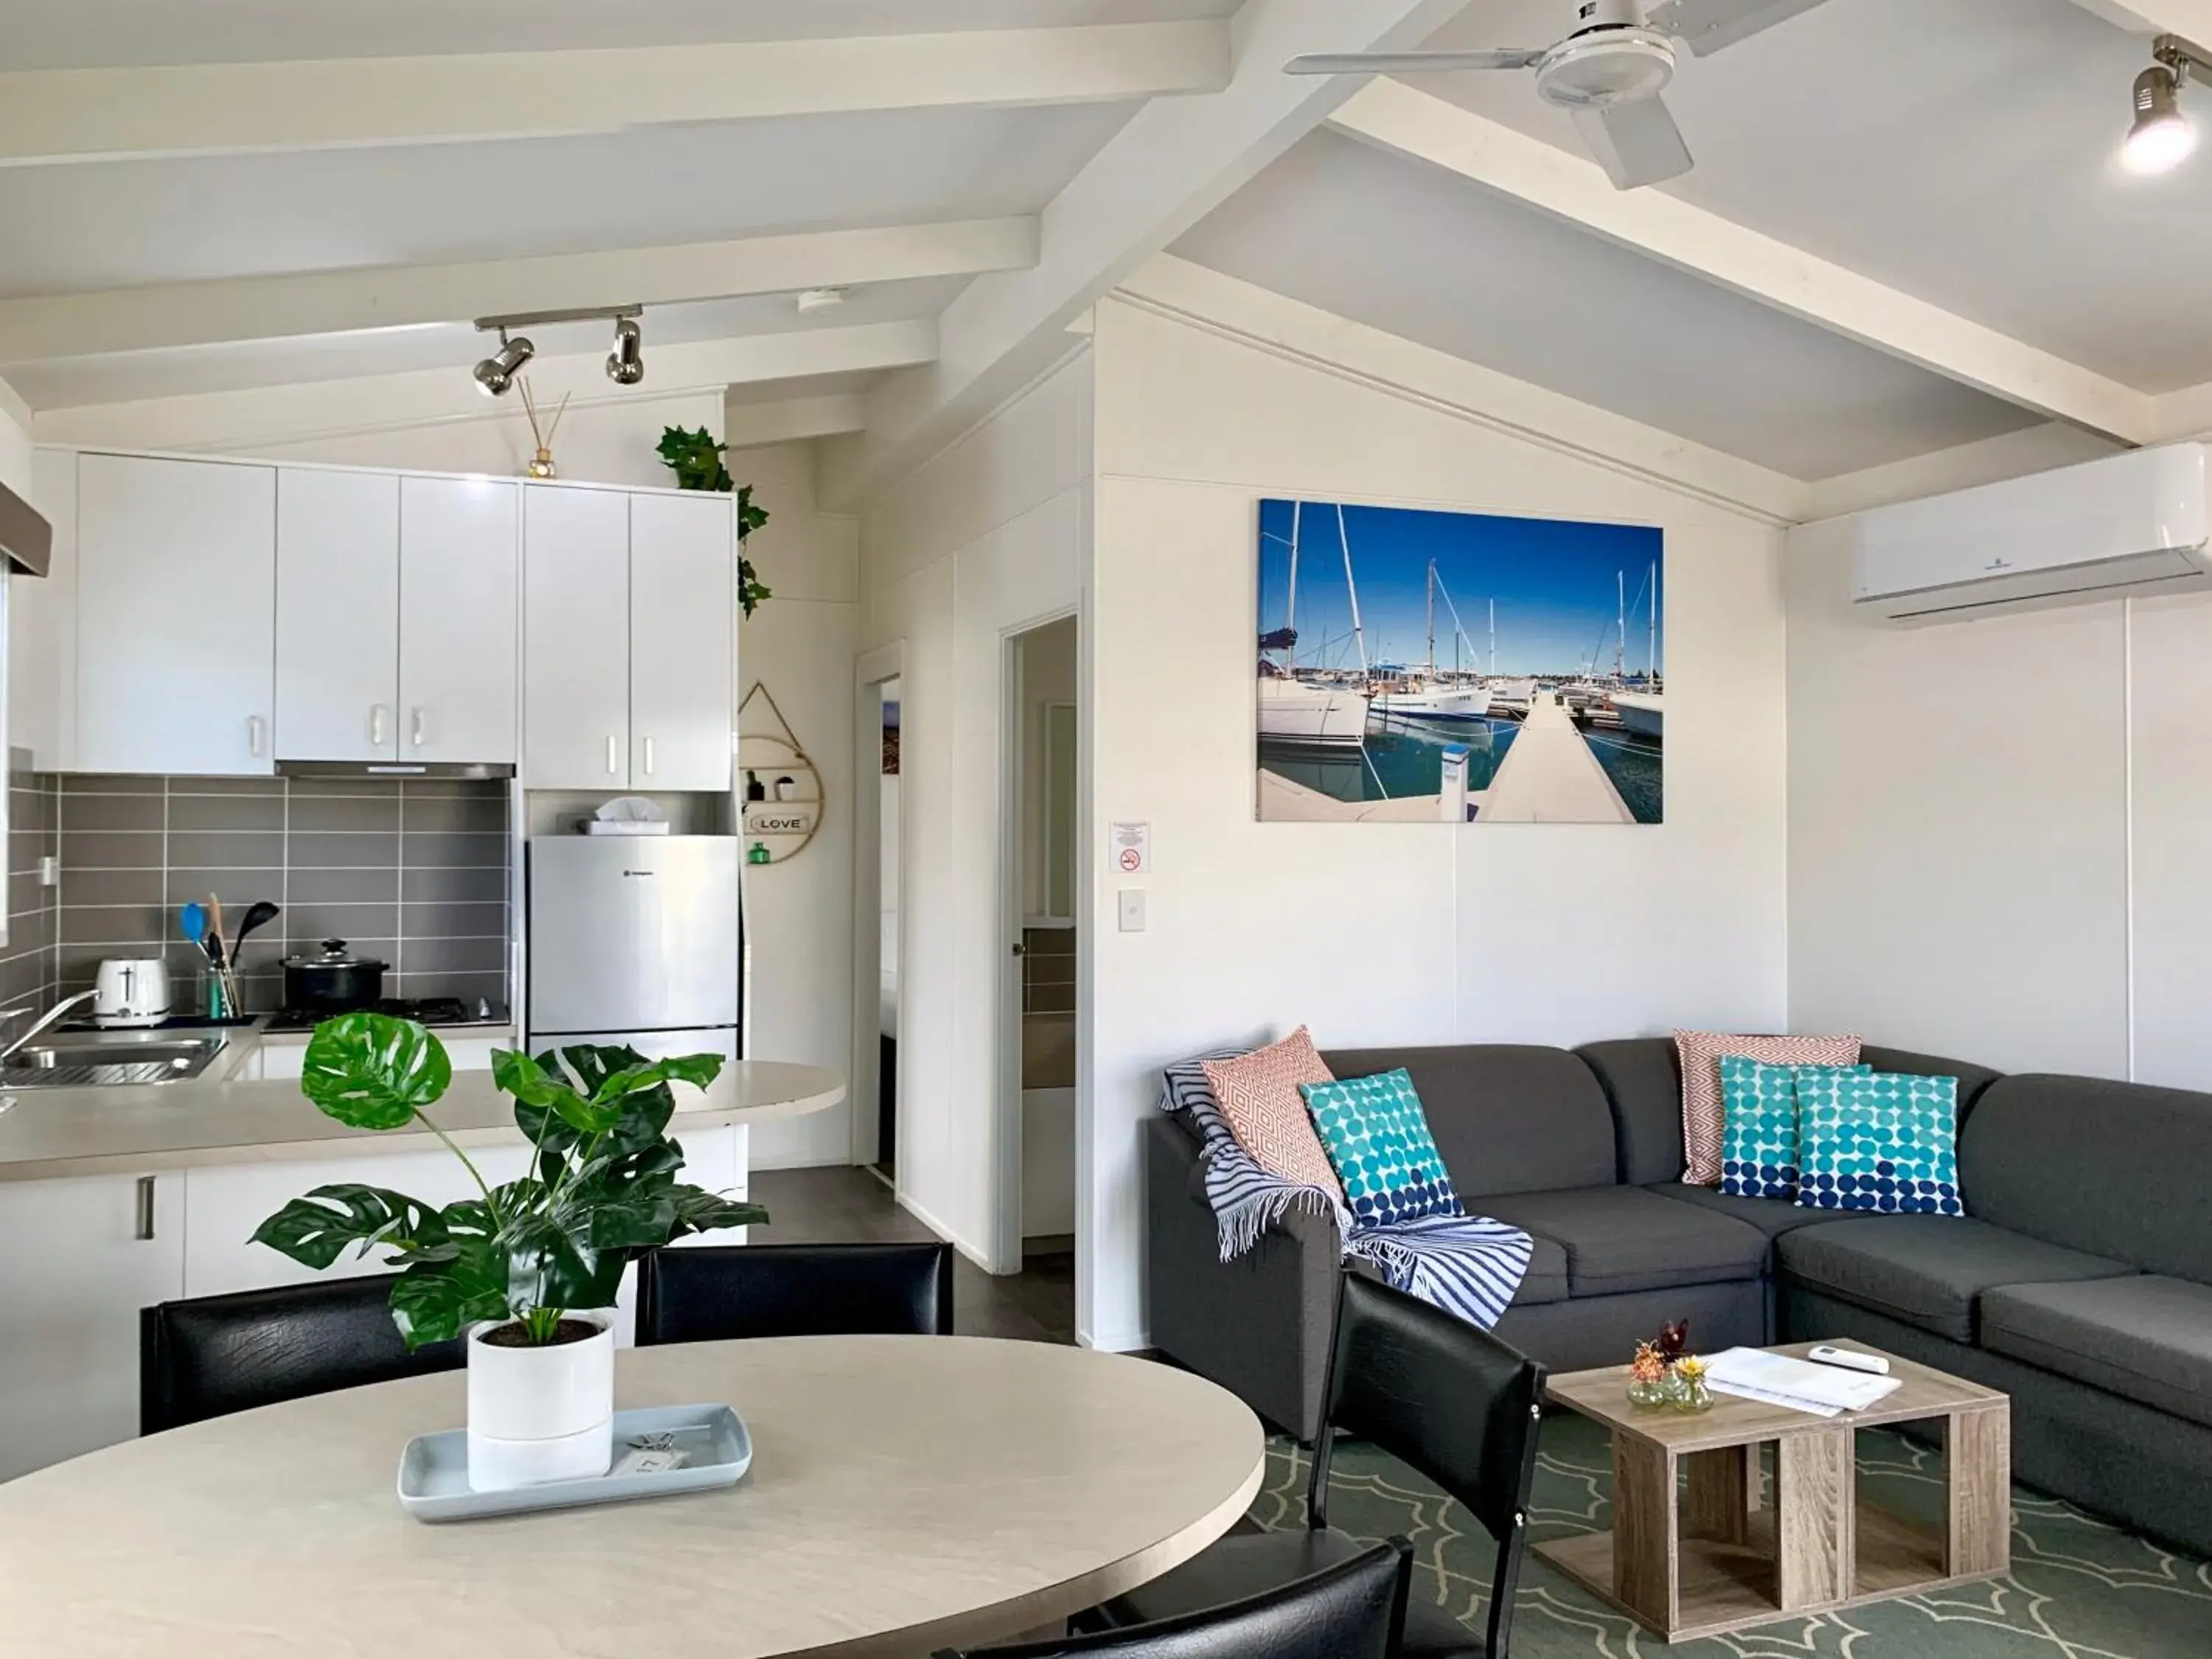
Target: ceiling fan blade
1706 26
1636 144
1409 62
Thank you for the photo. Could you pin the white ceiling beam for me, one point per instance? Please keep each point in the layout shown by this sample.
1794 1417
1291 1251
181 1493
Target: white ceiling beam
1394 117
1176 161
748 426
2192 18
248 420
46 326
51 116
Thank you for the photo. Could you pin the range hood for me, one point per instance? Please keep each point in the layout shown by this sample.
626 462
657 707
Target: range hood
307 768
27 540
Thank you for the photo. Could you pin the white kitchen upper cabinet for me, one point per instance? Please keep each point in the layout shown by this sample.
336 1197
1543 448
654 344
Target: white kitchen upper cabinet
338 615
682 621
576 639
176 625
85 1256
459 604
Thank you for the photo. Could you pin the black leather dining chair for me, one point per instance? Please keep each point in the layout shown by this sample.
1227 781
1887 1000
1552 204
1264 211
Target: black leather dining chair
728 1292
1454 1403
1353 1608
214 1355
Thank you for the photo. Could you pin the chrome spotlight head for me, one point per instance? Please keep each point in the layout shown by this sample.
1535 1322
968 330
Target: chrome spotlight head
626 362
2161 137
496 373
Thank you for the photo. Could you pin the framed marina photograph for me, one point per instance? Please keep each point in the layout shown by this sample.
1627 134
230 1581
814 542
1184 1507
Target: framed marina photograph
1418 666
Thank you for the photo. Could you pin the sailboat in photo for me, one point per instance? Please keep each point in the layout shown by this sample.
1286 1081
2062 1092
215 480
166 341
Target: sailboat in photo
1428 696
1306 707
1643 713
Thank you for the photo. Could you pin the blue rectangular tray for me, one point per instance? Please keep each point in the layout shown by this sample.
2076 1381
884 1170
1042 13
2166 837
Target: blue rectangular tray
433 1470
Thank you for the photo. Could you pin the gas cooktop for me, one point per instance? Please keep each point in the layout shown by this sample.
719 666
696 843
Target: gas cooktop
426 1010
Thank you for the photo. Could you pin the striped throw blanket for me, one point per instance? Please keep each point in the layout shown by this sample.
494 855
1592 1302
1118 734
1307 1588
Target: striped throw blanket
1468 1265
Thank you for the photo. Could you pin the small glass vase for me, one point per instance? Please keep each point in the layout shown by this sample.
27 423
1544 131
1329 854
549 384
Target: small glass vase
1648 1396
1672 1391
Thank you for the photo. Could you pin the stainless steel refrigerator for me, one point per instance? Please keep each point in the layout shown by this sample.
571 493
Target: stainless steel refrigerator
634 938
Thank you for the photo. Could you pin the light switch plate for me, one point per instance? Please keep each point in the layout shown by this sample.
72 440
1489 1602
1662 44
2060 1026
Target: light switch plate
1132 910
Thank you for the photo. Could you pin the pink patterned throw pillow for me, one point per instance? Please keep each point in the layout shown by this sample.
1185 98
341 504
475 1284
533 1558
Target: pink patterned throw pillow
1259 1096
1703 1119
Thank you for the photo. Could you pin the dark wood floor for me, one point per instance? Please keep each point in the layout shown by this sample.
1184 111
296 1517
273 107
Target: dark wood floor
847 1206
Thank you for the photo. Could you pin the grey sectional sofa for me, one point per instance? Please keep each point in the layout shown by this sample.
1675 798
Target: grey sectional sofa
2079 1281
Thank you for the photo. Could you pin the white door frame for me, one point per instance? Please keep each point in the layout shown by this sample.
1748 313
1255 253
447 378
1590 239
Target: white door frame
870 670
1005 1237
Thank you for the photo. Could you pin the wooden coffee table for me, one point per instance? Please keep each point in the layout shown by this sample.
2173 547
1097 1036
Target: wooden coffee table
1695 1550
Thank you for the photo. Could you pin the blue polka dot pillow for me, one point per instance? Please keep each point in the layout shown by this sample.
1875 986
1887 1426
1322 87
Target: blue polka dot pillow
1878 1141
1377 1138
1759 1152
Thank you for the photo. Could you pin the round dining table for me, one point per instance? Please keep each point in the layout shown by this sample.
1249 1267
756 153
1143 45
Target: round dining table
905 1494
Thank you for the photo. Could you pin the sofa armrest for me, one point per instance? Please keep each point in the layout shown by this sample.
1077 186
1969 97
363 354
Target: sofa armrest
1260 1325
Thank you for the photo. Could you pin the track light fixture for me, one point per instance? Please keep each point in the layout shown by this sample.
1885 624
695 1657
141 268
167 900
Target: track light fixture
626 362
496 373
2161 137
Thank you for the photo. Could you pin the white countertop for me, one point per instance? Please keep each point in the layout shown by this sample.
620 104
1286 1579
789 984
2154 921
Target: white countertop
143 1129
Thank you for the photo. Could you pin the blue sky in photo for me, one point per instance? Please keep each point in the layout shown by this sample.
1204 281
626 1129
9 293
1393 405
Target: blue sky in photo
1554 580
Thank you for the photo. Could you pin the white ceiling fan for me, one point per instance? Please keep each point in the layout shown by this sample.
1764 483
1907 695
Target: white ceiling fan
1607 74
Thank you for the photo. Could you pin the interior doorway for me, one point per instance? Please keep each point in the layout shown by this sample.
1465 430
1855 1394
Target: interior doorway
889 863
1040 839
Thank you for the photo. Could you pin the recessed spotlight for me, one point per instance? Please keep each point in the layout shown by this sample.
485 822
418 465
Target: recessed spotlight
2161 137
626 362
496 373
820 299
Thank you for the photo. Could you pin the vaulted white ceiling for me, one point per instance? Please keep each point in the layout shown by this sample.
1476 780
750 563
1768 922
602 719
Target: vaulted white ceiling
1905 231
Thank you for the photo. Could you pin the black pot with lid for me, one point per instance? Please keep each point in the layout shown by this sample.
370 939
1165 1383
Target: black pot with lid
332 979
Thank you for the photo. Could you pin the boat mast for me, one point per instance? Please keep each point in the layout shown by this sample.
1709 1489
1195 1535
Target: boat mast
1352 587
1290 616
1651 658
1493 639
1432 619
1621 645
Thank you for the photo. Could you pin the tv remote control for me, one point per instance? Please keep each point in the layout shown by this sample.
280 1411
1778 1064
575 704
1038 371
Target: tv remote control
1825 1355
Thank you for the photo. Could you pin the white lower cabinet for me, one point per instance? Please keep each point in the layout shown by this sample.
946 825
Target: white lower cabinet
87 1255
282 1059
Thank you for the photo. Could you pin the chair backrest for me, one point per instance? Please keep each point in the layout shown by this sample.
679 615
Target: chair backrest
725 1292
1355 1609
214 1355
1450 1400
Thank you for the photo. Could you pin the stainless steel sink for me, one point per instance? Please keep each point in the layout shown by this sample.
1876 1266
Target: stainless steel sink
100 1058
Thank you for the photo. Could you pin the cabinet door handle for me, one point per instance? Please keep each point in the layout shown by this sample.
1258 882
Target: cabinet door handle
142 1222
414 728
376 724
649 758
614 755
255 727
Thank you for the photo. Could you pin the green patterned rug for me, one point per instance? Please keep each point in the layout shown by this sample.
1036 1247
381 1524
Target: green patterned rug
2078 1588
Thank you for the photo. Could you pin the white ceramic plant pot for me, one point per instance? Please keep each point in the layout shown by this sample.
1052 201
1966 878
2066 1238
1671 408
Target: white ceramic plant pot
539 1414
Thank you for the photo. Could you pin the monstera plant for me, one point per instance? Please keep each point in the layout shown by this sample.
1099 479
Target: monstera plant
602 1185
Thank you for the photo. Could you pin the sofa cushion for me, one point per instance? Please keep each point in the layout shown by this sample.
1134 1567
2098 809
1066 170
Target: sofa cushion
2146 1337
1378 1136
1701 1085
1546 1278
1772 1216
1642 1078
2112 1168
1972 1079
1624 1239
1927 1270
1507 1119
1878 1141
1258 1094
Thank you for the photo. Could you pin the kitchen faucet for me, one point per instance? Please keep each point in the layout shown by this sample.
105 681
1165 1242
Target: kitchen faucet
49 1018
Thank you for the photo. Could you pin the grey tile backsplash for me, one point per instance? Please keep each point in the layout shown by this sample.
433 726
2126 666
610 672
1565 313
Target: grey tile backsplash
414 873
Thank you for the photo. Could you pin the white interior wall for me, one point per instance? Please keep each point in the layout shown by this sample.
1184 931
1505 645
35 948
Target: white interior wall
1998 828
988 539
799 913
1378 934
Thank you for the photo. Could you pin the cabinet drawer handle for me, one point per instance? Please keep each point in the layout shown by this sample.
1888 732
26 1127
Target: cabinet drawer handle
414 728
376 723
614 755
142 1222
649 758
254 728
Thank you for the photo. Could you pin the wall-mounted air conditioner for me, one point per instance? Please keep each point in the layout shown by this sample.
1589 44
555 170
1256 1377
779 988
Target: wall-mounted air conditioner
2132 524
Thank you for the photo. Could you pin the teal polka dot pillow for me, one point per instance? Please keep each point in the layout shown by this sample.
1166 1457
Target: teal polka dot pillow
1377 1138
1878 1141
1759 1152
